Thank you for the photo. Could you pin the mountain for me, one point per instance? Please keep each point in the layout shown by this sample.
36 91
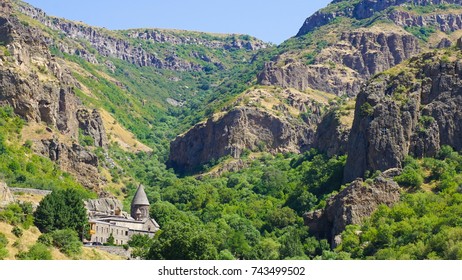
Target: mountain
79 81
260 119
336 50
342 142
350 41
412 109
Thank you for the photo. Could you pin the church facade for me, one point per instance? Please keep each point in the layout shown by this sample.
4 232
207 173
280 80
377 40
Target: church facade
106 218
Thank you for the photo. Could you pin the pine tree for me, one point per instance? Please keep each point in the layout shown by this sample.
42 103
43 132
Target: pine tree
62 209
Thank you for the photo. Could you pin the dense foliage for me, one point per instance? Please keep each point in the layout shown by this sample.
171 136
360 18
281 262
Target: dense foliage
241 215
66 240
62 209
18 214
426 224
38 251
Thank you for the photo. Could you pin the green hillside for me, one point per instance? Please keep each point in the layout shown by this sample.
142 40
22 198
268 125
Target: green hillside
151 85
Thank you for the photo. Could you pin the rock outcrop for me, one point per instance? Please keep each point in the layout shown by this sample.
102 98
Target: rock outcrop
240 129
119 44
260 119
448 22
344 65
363 45
33 82
39 88
412 110
332 135
302 77
359 10
351 206
105 206
6 197
74 159
91 124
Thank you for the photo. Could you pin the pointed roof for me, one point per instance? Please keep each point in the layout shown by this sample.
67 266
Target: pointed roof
140 197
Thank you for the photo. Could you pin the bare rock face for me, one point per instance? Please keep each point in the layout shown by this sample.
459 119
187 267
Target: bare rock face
371 52
33 83
261 119
75 160
331 135
412 112
6 197
40 89
92 124
351 206
241 128
449 22
302 77
342 68
105 206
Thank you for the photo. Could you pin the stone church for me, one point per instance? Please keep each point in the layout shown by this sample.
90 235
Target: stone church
106 218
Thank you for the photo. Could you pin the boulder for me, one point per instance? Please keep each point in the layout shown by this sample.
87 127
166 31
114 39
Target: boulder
351 206
6 197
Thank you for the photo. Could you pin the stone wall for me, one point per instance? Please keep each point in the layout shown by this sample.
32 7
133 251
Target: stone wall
115 250
30 191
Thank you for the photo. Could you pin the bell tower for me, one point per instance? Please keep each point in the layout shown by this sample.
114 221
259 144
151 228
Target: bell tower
140 205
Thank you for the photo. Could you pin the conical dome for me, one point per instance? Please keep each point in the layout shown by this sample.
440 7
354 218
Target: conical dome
140 197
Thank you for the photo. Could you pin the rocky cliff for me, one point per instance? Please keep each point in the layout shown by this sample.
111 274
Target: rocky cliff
345 64
351 206
413 110
32 81
91 124
341 46
74 159
40 89
260 120
361 9
127 45
332 133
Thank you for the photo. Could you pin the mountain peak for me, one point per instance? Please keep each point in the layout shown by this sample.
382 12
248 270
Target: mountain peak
361 9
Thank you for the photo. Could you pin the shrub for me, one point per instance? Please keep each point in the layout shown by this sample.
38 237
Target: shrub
3 253
38 251
67 241
366 110
225 255
110 240
46 239
18 232
3 243
410 178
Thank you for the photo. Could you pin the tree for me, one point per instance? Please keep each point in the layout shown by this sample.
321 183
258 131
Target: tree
110 240
180 241
140 244
62 209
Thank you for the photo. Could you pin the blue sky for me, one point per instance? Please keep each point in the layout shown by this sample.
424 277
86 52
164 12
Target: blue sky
271 21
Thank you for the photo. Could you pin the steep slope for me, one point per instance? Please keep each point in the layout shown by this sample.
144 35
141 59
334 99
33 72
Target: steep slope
141 46
41 90
335 52
169 79
339 47
59 75
261 119
413 109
